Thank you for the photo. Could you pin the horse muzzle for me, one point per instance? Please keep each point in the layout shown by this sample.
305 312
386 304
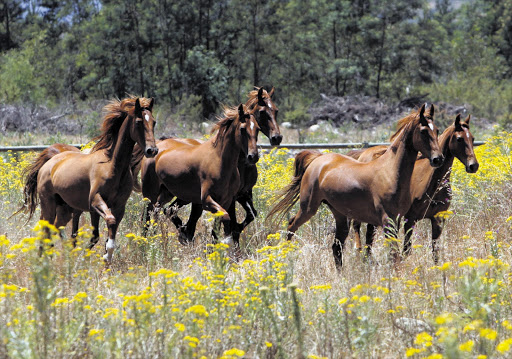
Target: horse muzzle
275 140
437 161
252 158
472 167
151 152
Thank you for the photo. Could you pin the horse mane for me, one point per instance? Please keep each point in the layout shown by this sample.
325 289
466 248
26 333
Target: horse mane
230 115
410 120
114 113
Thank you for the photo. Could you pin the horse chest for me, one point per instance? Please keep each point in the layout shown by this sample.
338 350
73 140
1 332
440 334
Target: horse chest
436 201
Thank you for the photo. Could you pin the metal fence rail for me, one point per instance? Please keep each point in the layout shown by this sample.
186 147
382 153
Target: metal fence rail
292 146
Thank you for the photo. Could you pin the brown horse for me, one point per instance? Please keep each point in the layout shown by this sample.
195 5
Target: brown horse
430 188
30 200
99 182
265 112
206 174
373 192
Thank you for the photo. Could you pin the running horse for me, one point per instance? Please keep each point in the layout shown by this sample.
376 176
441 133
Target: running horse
206 174
265 112
373 192
99 182
30 173
430 188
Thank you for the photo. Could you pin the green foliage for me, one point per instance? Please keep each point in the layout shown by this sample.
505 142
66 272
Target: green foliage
85 49
18 80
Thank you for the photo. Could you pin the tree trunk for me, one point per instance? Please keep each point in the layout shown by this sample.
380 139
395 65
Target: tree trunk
256 75
381 56
335 48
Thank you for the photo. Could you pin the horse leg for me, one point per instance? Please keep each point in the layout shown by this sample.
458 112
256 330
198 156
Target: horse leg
75 225
99 205
437 229
389 235
370 233
357 234
110 243
48 209
408 229
63 215
209 204
342 229
146 218
250 212
308 208
184 236
95 223
190 228
235 227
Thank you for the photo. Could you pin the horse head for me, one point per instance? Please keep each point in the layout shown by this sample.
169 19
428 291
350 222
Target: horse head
249 129
425 137
266 116
142 130
461 144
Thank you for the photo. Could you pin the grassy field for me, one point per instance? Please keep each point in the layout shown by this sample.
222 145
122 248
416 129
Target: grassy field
278 300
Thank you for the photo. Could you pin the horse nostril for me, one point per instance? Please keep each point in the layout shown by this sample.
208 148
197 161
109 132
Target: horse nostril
252 158
473 167
276 139
437 161
151 151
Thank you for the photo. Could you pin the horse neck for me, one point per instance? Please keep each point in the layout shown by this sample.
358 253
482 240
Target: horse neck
122 148
227 148
401 156
443 172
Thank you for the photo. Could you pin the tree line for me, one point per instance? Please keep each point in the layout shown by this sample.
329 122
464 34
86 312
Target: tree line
213 52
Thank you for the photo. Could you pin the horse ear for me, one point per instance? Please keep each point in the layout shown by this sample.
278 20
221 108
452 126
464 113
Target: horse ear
432 111
137 106
423 120
151 103
241 113
271 93
261 101
457 121
467 119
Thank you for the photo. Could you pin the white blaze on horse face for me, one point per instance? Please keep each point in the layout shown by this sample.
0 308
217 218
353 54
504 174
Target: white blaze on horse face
431 126
146 117
252 125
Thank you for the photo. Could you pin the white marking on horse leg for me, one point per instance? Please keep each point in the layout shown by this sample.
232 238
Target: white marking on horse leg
228 240
109 246
250 209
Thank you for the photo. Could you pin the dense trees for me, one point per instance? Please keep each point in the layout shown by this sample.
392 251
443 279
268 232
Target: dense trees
215 51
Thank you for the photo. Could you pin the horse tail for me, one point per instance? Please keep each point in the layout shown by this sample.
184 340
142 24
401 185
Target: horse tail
135 165
290 194
30 173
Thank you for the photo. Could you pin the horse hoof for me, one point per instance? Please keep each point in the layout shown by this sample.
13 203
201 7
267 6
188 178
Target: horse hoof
184 239
228 240
107 260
